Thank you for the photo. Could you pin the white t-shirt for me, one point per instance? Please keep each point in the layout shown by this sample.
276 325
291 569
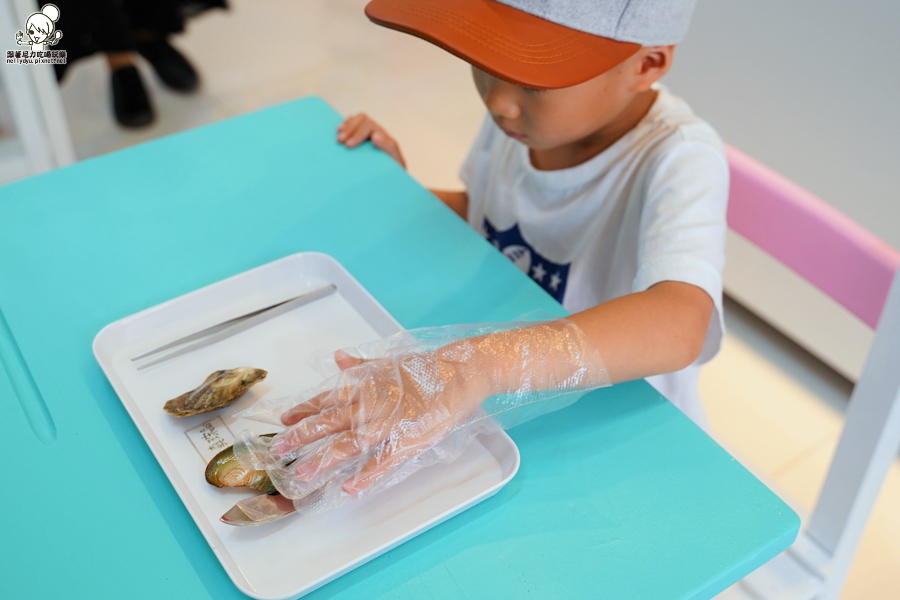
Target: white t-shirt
649 208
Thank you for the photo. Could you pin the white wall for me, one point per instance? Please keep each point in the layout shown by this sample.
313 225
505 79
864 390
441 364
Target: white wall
810 88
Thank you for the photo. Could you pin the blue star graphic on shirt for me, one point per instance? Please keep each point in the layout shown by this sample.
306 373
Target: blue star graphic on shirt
549 275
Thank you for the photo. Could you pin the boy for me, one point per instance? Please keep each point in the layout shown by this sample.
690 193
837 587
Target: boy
594 179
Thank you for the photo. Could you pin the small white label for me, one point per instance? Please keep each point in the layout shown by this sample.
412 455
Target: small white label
210 438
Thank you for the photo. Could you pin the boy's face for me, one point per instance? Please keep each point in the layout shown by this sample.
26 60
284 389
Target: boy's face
548 119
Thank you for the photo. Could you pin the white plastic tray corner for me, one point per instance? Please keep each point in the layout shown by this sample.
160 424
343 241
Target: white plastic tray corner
296 555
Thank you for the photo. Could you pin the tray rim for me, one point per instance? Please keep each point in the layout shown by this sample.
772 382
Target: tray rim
201 521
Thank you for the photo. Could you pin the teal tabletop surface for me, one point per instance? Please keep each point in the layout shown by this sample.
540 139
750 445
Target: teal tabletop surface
618 495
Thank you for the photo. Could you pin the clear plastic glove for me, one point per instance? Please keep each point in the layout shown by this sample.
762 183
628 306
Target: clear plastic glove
417 398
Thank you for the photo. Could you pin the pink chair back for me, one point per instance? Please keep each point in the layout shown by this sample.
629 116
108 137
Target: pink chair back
859 271
809 236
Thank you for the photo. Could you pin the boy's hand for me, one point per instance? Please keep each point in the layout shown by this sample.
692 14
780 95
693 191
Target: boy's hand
381 413
360 127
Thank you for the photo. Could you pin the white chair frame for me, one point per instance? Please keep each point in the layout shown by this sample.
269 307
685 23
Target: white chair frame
42 141
816 565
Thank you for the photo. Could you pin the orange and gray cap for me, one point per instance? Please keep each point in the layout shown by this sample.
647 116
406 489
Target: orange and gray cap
541 44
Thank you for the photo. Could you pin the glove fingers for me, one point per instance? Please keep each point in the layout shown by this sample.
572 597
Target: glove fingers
324 402
346 393
344 360
390 456
288 444
353 408
357 415
344 446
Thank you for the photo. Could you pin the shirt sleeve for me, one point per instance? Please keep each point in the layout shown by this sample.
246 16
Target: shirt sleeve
683 226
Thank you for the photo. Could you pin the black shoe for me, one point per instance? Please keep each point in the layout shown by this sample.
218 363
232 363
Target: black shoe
171 66
130 101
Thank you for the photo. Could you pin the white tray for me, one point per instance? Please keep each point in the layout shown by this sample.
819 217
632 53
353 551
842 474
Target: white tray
296 555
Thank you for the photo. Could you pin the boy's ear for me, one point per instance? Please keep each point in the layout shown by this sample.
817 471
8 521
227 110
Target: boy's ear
655 61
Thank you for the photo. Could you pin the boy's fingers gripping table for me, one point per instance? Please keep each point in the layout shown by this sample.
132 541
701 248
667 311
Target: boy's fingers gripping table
360 127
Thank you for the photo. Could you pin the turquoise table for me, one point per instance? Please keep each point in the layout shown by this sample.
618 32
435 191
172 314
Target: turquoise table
619 496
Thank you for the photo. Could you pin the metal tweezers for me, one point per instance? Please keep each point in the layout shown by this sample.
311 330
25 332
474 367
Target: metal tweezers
228 328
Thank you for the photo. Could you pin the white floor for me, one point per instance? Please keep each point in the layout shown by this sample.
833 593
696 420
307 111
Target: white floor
775 407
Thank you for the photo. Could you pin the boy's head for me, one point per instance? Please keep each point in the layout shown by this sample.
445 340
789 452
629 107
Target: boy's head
551 72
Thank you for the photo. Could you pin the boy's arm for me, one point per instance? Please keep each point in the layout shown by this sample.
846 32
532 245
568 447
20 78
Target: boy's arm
659 330
457 201
421 397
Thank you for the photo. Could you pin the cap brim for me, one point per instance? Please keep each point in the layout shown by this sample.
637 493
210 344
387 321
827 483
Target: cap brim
504 41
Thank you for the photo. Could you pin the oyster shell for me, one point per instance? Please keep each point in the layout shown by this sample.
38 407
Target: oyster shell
224 470
219 390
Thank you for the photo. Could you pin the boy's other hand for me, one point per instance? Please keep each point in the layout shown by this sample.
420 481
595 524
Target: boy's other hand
360 127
